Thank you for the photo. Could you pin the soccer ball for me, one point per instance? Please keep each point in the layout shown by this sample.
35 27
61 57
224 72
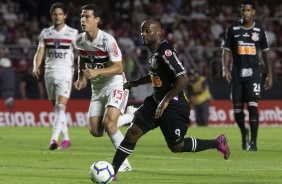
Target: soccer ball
101 172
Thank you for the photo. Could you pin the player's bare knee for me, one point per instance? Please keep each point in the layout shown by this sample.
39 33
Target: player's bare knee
107 122
96 133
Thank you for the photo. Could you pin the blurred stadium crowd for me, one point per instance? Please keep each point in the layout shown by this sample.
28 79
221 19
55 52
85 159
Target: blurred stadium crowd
195 27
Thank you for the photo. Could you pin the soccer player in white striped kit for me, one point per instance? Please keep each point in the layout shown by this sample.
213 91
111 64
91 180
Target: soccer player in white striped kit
56 42
100 61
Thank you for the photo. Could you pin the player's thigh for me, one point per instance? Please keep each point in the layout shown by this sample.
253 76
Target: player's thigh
237 93
144 117
95 115
63 87
50 87
111 115
110 119
96 127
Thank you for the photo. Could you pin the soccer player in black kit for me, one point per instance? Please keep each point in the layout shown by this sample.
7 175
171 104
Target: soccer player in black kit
167 107
244 38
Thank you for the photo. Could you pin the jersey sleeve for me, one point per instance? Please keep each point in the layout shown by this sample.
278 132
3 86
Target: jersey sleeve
41 39
228 38
113 50
74 40
173 61
264 41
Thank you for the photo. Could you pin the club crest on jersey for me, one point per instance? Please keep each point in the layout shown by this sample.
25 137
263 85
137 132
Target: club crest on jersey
255 36
153 60
57 42
168 53
91 56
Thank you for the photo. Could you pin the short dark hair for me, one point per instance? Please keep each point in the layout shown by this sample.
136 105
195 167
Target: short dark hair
97 12
58 5
248 2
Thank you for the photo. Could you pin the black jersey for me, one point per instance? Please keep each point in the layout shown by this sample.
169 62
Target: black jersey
245 45
164 73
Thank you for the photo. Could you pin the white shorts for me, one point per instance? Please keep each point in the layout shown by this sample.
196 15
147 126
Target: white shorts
113 97
58 84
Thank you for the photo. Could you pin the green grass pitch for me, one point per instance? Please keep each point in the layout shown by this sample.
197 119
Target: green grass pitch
25 158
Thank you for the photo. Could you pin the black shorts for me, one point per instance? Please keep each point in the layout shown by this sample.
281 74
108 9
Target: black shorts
173 123
244 91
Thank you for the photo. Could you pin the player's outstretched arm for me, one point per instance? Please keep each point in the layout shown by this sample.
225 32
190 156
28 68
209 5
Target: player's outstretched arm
143 80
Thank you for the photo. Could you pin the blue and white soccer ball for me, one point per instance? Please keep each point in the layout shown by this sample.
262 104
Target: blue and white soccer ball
101 172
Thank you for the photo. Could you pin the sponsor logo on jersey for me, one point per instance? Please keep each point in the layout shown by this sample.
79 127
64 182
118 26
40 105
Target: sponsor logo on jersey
168 52
245 43
54 54
246 35
256 29
115 49
100 46
246 50
236 28
246 72
236 36
255 36
153 60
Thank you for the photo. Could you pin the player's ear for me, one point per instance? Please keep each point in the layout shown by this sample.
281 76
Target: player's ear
97 20
159 32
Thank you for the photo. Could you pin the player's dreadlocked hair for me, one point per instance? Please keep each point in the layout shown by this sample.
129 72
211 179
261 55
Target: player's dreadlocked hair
248 2
97 12
58 5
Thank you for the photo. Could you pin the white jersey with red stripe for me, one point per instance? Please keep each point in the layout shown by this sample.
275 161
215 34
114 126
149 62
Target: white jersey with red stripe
100 53
59 56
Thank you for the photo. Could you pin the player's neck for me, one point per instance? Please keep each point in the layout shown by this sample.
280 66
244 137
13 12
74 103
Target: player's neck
92 35
248 24
59 27
154 46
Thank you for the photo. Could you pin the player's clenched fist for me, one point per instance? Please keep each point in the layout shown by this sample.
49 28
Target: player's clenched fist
80 84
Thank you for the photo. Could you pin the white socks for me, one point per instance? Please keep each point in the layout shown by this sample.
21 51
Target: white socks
60 123
116 138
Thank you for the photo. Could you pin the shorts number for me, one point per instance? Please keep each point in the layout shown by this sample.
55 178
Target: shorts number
118 94
256 87
156 81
